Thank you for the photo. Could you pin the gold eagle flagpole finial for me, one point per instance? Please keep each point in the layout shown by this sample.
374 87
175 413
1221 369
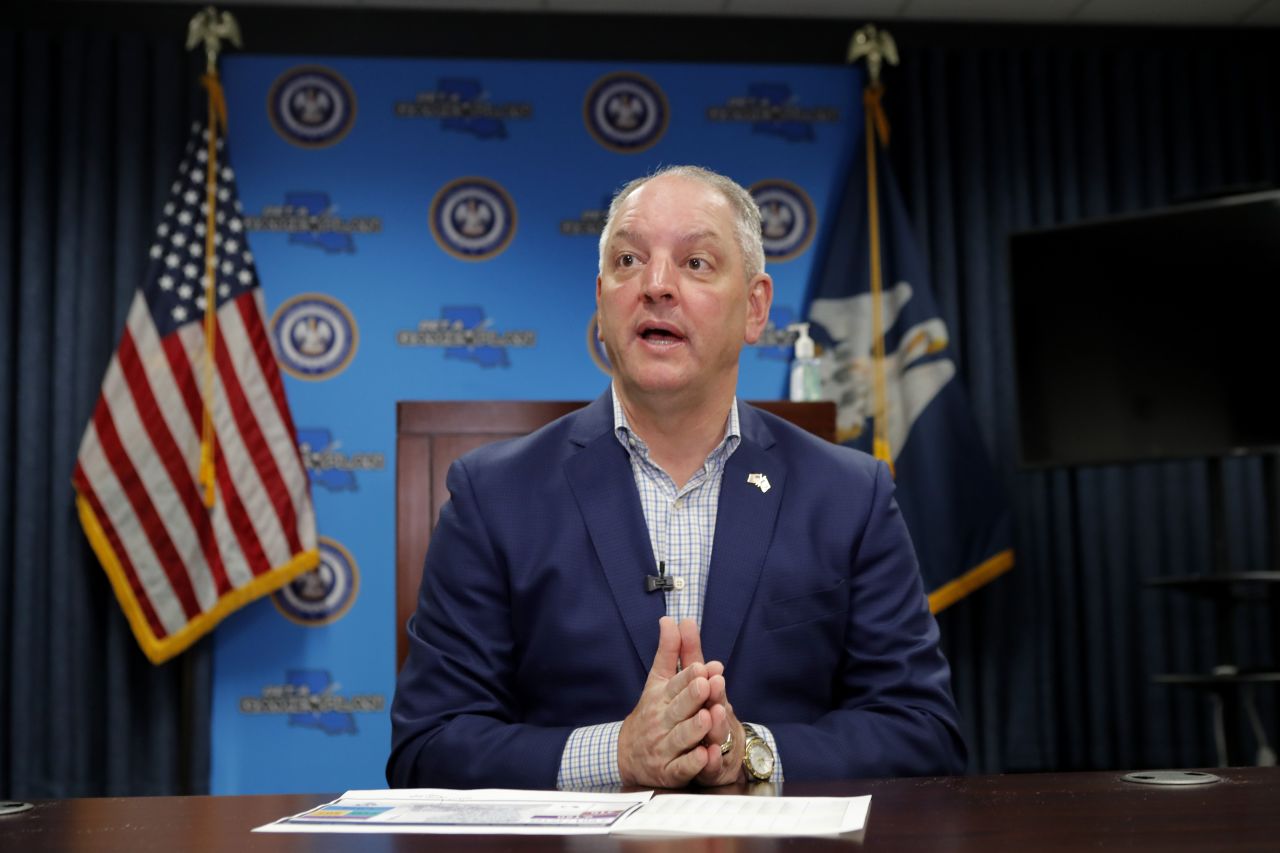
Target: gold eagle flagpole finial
210 28
875 46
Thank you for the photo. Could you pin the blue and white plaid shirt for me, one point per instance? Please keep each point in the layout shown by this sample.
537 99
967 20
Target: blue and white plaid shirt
682 526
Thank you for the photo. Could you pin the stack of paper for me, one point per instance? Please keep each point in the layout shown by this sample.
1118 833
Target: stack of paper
500 811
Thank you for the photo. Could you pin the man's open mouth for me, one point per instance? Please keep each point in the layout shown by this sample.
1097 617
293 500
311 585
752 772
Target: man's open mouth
661 335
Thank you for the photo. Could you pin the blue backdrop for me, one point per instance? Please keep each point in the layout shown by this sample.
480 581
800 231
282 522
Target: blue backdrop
426 229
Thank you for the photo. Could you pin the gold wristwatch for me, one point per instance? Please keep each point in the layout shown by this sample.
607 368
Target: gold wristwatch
757 757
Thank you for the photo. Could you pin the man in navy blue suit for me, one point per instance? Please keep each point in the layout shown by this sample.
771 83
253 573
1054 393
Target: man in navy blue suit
669 587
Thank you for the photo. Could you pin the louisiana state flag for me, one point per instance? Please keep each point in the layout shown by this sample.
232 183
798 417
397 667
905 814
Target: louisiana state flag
887 363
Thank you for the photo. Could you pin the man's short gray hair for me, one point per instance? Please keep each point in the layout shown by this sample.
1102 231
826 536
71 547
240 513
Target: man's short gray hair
746 214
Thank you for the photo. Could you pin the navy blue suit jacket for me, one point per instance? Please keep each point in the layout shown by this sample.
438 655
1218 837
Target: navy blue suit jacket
533 617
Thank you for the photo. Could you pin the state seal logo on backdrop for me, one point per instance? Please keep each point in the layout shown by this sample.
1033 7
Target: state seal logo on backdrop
315 336
323 595
311 106
473 218
626 112
788 219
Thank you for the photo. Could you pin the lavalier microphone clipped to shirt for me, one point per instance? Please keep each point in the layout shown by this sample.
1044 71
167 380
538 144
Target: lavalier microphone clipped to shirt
662 582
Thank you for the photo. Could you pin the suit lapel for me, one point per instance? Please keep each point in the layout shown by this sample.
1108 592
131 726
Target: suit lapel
744 530
602 483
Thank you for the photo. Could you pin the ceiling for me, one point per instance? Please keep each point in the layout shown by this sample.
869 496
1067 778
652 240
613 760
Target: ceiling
1184 13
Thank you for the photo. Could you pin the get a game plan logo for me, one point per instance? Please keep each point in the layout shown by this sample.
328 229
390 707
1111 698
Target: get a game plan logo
466 333
463 105
311 699
310 218
329 466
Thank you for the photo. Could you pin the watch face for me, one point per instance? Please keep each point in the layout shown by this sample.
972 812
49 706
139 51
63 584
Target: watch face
761 758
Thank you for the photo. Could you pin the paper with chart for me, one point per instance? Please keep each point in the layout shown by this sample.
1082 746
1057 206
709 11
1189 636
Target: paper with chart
457 812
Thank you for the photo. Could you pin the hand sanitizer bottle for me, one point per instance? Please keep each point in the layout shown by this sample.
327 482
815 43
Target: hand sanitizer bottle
806 380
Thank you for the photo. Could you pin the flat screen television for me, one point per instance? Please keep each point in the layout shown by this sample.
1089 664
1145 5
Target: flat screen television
1153 336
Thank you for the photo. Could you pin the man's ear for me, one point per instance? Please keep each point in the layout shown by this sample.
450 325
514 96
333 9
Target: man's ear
759 300
599 328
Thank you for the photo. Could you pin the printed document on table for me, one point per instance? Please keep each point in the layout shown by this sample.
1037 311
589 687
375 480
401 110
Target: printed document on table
704 814
455 812
511 812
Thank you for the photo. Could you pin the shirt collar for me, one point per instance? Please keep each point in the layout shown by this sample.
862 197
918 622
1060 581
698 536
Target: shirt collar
626 436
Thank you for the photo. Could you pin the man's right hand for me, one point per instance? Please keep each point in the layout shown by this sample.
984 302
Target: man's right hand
658 740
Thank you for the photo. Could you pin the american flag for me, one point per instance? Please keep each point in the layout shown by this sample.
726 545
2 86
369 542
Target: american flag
177 566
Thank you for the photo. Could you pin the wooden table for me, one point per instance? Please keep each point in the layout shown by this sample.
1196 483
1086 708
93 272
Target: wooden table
1041 812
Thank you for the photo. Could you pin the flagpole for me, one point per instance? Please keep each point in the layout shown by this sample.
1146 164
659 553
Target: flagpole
876 47
210 27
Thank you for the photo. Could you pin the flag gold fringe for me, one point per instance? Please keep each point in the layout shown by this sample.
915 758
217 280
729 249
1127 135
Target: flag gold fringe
160 649
981 575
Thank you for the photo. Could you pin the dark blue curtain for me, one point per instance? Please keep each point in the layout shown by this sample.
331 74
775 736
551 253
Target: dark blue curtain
1053 662
91 129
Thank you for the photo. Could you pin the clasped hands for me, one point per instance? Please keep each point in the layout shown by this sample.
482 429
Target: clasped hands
673 735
